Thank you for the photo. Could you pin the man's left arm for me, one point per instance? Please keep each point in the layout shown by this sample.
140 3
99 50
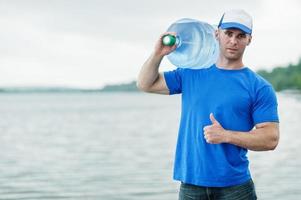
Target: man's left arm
265 137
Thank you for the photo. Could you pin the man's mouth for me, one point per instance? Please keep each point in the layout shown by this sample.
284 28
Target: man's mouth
232 49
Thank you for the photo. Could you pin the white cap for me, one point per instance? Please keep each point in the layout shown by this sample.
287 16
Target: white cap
237 19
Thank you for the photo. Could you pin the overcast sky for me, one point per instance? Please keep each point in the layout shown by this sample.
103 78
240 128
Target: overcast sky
90 43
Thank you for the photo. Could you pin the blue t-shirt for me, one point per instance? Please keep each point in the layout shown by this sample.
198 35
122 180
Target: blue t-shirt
239 99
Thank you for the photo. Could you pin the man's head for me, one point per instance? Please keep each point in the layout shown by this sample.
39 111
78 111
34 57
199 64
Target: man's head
234 33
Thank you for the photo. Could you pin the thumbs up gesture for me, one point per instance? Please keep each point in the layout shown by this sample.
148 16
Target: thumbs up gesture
215 133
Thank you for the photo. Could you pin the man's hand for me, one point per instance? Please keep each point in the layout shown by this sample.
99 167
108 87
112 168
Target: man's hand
162 50
215 133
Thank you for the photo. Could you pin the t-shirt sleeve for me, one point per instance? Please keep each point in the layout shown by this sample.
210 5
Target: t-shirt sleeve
173 81
265 106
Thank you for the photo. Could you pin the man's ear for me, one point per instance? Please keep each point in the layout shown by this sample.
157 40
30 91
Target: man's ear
250 39
216 34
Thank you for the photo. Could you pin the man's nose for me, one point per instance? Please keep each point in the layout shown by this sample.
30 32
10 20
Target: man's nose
233 40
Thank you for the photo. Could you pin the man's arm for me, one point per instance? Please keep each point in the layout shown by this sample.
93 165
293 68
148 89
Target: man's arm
265 137
149 78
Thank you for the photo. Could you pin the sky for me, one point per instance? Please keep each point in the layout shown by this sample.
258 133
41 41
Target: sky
91 43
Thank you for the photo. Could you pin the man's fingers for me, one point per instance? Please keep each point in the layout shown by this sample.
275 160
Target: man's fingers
206 128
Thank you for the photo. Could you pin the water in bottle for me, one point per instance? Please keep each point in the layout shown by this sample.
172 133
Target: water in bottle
196 44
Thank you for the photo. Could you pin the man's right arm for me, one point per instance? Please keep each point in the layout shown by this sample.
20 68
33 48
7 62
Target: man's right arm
149 78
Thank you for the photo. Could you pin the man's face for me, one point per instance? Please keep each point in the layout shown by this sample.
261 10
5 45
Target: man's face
232 42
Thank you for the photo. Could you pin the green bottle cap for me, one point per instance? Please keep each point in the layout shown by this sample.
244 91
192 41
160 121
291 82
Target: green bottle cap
169 40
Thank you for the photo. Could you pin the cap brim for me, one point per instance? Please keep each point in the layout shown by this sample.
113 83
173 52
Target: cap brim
242 27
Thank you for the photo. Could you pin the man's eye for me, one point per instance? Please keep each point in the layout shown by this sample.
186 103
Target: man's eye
229 34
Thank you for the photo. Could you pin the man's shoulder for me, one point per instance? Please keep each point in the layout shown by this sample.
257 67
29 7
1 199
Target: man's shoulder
256 79
260 87
190 71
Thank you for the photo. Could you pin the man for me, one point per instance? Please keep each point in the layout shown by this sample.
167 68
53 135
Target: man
221 105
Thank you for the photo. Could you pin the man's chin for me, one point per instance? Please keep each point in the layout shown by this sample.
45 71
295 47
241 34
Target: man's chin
233 57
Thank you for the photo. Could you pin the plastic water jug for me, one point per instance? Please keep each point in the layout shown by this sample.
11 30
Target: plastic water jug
196 44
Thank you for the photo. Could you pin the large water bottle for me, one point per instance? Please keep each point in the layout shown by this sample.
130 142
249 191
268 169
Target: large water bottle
196 44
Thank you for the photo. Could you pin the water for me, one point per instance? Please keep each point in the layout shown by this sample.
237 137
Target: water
196 44
118 146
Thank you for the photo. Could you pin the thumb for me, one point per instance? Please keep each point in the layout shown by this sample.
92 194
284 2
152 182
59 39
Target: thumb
213 120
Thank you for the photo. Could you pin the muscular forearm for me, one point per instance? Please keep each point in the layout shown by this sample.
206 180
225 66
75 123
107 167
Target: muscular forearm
149 71
260 139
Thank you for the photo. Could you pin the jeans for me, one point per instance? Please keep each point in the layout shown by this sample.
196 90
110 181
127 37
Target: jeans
245 191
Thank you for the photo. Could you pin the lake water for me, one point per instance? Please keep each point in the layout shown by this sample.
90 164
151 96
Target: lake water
118 146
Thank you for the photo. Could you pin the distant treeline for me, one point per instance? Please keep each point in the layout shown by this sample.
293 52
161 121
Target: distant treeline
283 78
126 87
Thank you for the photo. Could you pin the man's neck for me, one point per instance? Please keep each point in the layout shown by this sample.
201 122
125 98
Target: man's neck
229 64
